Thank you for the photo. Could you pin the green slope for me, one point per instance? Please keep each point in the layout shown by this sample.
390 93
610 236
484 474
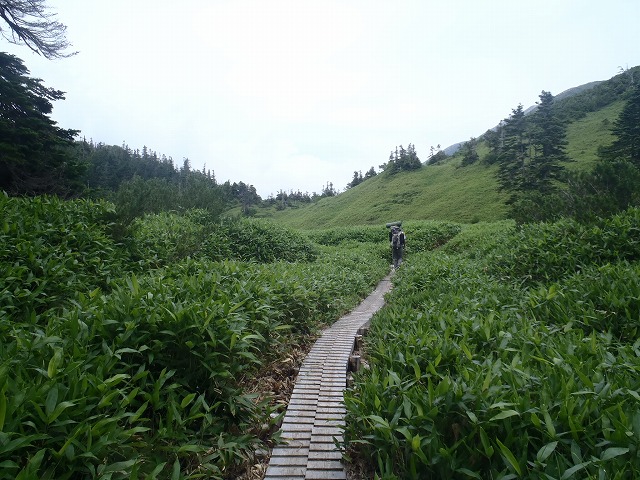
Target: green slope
460 194
587 134
438 192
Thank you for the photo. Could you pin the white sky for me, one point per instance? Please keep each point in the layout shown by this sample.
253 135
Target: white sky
292 94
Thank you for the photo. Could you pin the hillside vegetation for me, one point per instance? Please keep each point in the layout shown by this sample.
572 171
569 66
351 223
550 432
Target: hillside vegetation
448 191
510 352
131 352
439 192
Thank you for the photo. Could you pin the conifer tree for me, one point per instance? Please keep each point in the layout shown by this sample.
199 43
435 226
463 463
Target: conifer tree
35 154
512 155
547 153
627 131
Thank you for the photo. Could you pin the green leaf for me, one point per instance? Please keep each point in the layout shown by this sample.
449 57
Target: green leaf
416 442
31 470
191 448
405 432
487 381
504 414
472 416
187 400
545 451
175 473
406 404
51 401
509 456
416 371
613 452
468 473
571 471
549 424
154 473
3 408
486 443
466 351
119 466
61 407
54 363
116 379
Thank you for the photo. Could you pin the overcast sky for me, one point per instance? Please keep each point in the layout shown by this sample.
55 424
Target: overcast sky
294 94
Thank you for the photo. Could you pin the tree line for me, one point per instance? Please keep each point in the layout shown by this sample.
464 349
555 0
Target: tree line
530 153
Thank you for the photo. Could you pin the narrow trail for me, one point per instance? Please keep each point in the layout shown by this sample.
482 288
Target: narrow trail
315 413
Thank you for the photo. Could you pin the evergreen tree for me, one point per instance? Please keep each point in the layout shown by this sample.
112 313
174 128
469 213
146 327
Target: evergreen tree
402 160
547 150
513 152
469 153
627 131
370 173
35 155
436 155
357 179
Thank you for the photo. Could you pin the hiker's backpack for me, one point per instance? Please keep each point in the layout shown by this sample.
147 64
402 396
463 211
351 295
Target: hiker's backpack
395 239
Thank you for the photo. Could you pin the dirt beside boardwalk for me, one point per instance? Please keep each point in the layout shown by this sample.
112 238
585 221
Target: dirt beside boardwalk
276 381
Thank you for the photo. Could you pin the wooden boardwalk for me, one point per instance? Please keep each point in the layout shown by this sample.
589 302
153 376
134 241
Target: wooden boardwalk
315 413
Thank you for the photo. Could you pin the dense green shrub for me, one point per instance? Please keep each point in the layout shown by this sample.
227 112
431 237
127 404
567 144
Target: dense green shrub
480 239
424 235
429 235
106 373
361 234
479 375
50 250
550 251
167 237
257 240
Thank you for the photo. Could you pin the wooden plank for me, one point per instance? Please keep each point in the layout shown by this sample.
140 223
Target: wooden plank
285 472
315 413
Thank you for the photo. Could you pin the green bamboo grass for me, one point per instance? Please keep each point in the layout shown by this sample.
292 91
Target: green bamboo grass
484 366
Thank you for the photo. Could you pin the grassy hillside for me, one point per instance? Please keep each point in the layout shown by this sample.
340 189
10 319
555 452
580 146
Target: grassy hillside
450 192
439 192
443 192
587 134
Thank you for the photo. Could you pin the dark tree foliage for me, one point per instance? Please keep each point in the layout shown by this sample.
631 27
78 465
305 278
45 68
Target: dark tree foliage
532 154
438 157
402 160
493 138
328 190
612 186
547 152
511 157
108 166
30 23
357 179
137 196
469 153
245 194
35 155
627 131
370 173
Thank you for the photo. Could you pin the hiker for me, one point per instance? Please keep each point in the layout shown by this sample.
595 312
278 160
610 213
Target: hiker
397 239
